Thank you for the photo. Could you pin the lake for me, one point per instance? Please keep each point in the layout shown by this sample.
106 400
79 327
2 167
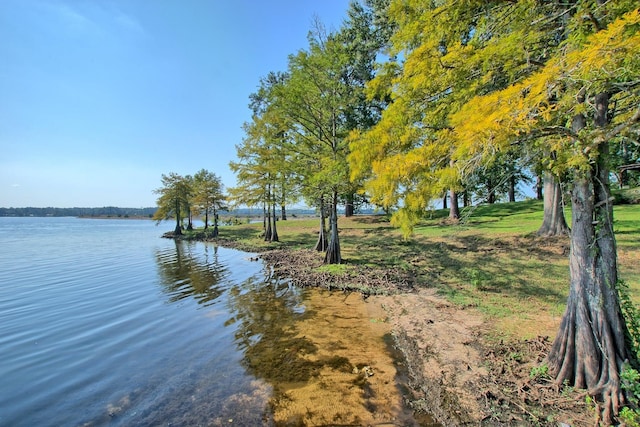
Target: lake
102 322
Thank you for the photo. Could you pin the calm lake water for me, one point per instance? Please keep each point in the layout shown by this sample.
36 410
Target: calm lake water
102 322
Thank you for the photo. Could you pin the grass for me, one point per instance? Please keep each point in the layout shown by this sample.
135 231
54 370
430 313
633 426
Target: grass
491 261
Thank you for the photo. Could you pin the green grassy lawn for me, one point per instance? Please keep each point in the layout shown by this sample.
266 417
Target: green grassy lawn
491 261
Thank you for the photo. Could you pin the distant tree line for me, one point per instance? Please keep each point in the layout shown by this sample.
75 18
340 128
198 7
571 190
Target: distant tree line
108 211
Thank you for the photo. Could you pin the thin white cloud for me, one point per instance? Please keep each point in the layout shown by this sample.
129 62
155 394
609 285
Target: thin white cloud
93 18
72 18
129 23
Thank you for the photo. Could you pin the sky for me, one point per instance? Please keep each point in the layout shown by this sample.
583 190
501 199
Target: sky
99 98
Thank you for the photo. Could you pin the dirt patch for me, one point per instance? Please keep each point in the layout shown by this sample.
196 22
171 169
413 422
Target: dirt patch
440 348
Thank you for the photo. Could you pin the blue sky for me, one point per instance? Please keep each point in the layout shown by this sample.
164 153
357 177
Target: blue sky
99 98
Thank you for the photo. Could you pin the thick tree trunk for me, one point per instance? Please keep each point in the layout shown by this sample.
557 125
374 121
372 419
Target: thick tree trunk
553 222
332 256
349 208
321 244
454 209
283 212
591 347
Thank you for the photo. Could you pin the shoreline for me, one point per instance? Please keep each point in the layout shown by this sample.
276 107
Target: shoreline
453 372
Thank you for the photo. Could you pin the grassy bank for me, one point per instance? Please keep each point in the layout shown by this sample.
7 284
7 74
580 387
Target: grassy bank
491 261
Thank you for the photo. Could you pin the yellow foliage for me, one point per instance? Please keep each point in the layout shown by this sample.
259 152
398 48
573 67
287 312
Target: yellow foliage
467 90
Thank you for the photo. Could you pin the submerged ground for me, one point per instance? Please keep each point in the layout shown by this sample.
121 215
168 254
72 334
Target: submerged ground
472 307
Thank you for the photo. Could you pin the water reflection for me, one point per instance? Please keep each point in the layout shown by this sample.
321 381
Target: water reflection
266 314
192 271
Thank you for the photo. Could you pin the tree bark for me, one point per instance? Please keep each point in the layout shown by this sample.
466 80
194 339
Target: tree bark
539 194
553 222
178 230
264 218
591 346
215 224
454 209
321 244
491 197
444 200
332 256
512 188
267 232
189 220
274 230
349 209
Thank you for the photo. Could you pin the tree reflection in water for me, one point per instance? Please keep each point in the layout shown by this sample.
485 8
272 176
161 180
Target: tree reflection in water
267 312
193 270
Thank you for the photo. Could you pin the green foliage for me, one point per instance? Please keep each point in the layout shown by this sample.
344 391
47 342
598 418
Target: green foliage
477 278
630 196
631 314
630 378
539 372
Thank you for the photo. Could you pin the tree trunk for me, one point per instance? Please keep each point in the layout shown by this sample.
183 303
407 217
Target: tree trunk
591 347
267 232
215 224
332 256
178 230
349 209
454 209
444 200
512 188
553 222
283 212
466 200
189 220
206 218
491 197
274 229
539 194
321 244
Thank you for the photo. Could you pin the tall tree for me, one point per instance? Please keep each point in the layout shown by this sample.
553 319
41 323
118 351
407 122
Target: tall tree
587 95
314 100
173 200
265 170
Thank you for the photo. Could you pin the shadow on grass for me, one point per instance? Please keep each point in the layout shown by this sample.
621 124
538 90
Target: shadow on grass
471 265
